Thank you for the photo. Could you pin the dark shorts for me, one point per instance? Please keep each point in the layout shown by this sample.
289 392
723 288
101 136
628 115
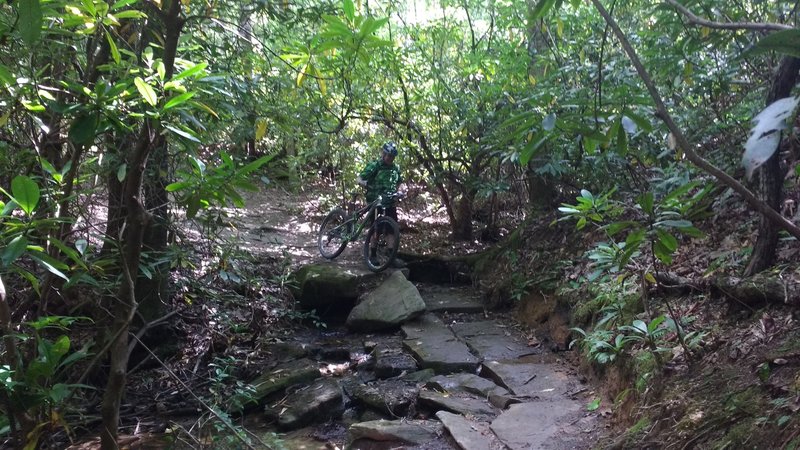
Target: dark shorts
389 212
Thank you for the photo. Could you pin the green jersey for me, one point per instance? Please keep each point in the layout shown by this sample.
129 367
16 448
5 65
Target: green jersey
381 178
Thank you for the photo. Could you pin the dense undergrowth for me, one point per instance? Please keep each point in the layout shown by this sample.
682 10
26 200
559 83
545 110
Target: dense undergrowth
686 365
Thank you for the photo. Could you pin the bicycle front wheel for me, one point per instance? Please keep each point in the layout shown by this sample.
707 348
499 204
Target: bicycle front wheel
380 246
333 234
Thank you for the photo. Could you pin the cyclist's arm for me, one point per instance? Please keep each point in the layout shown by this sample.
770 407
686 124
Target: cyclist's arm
366 174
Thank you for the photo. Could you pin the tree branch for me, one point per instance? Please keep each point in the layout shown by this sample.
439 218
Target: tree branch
683 143
755 26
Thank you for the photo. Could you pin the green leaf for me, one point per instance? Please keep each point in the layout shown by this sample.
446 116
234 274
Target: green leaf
71 253
349 10
84 129
194 70
622 139
122 170
26 193
122 3
255 165
667 240
130 14
30 21
640 121
593 405
177 100
766 133
786 42
146 91
662 253
50 264
541 8
113 47
615 227
535 144
5 76
14 250
177 186
674 224
646 202
182 133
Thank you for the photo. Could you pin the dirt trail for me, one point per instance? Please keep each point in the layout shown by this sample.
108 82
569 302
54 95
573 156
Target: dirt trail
549 406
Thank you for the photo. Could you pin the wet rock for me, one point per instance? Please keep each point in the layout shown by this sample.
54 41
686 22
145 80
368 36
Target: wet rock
284 375
468 434
392 397
393 433
419 376
450 299
290 351
531 425
392 362
321 401
489 340
460 403
435 347
466 382
395 301
502 401
536 381
326 286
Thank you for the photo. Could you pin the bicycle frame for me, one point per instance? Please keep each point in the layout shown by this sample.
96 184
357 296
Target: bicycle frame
362 217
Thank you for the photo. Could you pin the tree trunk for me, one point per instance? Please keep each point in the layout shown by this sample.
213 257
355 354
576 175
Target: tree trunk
133 236
124 303
150 291
770 176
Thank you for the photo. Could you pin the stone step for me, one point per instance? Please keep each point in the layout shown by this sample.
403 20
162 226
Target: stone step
469 434
491 341
436 347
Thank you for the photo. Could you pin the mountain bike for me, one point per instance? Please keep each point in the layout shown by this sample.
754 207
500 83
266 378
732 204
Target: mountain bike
342 226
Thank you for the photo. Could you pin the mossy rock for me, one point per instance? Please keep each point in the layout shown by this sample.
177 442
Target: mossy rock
320 286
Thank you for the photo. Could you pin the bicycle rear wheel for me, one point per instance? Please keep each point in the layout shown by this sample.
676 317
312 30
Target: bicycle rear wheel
384 237
334 234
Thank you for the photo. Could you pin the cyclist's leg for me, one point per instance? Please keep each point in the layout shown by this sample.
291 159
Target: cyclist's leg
392 239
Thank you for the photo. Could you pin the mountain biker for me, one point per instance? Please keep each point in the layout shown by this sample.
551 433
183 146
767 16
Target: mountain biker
382 177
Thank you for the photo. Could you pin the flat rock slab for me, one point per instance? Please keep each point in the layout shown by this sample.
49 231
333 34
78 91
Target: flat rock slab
390 362
451 299
531 426
435 347
321 401
459 403
469 434
414 432
466 382
291 373
490 341
535 381
392 397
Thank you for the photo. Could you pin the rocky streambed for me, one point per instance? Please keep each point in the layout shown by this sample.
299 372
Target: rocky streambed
416 366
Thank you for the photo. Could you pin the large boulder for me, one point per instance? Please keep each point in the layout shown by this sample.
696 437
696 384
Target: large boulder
394 302
324 287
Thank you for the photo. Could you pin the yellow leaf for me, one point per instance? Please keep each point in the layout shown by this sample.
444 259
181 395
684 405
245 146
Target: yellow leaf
301 75
4 118
705 31
532 80
650 278
261 129
560 28
323 86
